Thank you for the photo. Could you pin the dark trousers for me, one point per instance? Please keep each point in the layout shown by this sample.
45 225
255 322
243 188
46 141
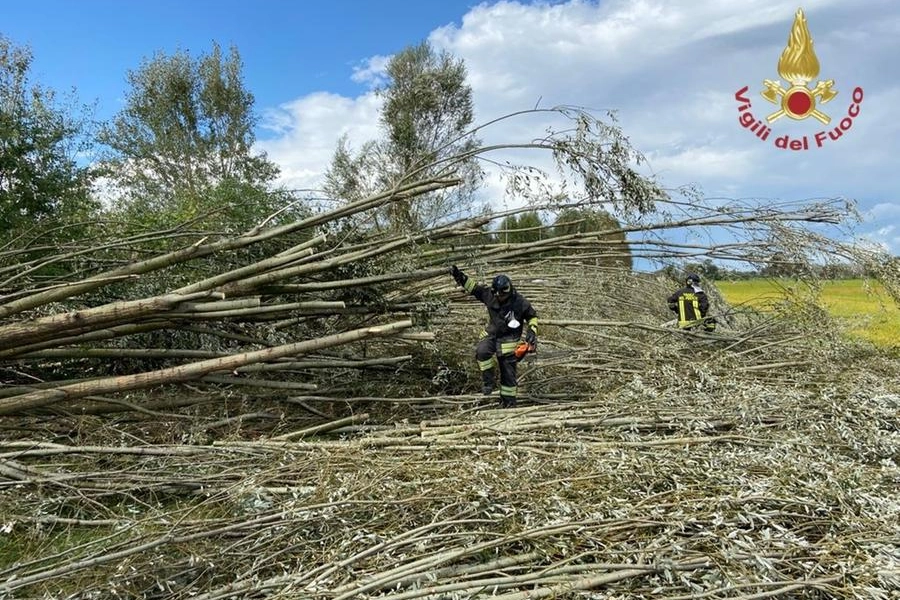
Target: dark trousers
490 349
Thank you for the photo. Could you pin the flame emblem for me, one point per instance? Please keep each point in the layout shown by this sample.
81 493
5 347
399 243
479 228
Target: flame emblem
798 65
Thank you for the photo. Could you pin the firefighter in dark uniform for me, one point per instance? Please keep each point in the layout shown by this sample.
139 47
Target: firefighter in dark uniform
508 312
691 305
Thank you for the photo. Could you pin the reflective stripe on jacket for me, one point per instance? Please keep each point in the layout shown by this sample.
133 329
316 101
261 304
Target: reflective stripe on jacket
691 305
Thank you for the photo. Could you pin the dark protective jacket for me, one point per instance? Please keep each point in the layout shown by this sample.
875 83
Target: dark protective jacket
691 304
515 307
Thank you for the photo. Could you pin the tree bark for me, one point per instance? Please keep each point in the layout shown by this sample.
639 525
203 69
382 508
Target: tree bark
189 372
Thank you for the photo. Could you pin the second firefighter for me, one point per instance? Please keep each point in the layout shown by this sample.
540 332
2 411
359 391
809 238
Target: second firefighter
691 305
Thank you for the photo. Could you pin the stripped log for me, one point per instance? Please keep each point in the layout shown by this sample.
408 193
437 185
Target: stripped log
188 372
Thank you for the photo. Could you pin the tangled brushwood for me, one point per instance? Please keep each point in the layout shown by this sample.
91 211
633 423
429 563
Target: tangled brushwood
295 413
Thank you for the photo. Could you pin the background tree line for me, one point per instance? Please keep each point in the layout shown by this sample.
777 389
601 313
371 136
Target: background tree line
179 150
780 265
179 154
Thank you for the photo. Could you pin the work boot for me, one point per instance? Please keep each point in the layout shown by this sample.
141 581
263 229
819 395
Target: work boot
507 402
487 382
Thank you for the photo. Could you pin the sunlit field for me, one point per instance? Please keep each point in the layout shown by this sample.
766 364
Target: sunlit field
863 306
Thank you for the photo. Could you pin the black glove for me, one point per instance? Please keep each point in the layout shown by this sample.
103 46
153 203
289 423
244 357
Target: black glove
531 338
458 276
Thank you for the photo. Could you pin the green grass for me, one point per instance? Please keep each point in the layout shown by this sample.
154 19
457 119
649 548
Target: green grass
862 306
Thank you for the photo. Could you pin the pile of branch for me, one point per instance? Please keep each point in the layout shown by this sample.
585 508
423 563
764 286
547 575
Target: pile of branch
85 327
665 489
753 469
245 293
291 412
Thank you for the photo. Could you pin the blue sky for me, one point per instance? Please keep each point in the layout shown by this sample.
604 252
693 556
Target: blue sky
290 47
671 69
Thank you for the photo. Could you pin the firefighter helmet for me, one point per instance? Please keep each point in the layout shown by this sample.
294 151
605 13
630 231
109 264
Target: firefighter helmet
501 285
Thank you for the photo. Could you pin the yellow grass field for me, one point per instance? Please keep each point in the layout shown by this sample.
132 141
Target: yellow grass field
862 306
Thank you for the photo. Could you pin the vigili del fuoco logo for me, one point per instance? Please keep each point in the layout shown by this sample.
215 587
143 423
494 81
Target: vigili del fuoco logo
798 66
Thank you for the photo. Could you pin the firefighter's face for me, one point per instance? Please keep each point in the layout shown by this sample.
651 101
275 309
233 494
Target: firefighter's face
502 295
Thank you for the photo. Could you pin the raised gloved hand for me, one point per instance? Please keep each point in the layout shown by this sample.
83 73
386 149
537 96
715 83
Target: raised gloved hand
531 338
458 276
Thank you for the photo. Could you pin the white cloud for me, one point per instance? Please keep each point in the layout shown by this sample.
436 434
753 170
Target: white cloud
372 72
881 222
886 239
704 163
884 210
670 68
309 129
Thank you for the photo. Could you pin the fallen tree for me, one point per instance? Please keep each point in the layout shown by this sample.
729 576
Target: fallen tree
292 411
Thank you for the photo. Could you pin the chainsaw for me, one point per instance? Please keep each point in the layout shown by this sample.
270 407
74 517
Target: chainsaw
523 349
